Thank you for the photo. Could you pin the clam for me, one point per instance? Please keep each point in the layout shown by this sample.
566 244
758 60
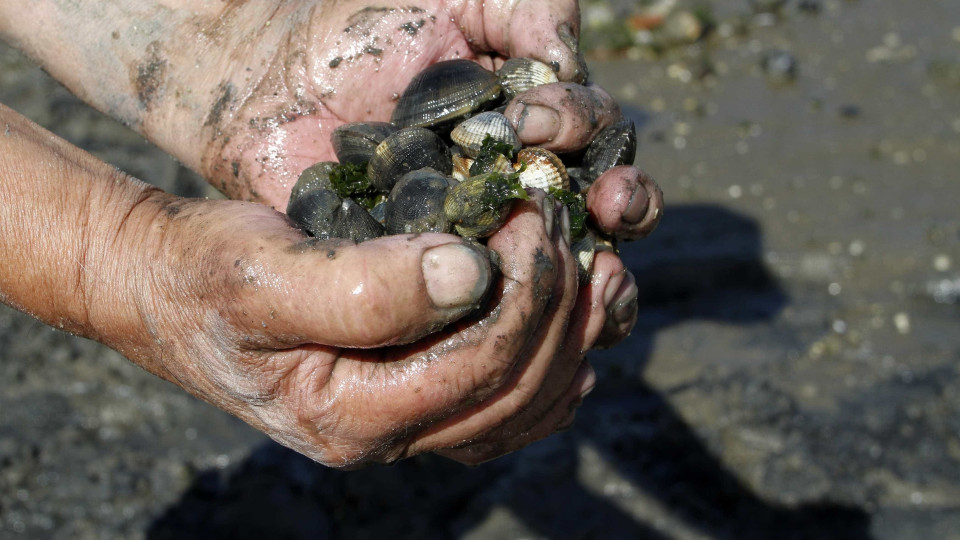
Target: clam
314 177
517 75
407 150
615 145
315 211
479 205
542 169
356 142
354 222
324 215
461 167
583 251
445 91
470 134
416 202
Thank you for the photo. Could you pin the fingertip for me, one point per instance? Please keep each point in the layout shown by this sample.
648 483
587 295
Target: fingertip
625 202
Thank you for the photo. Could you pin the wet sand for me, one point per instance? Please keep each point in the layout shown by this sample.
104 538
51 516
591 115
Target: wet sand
795 372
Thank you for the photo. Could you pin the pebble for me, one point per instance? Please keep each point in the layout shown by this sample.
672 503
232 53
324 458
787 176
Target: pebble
780 66
942 262
901 321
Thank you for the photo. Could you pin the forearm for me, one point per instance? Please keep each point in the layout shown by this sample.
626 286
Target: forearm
155 65
66 219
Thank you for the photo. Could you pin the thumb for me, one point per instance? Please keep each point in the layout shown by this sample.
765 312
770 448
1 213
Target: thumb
546 30
382 292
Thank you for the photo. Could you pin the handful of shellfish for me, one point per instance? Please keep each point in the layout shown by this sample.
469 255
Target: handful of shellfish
449 161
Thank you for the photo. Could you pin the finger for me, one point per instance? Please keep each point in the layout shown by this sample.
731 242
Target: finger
625 202
444 374
541 378
590 316
559 418
547 30
562 117
619 300
385 291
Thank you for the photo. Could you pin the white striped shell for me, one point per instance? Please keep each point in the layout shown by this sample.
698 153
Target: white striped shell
470 133
544 170
583 251
521 74
461 167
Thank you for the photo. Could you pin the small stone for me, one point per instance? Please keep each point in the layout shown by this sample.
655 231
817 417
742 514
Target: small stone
780 67
902 322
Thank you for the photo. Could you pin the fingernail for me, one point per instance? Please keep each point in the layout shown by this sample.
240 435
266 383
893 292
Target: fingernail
456 275
548 221
589 381
538 124
637 207
625 304
565 224
613 285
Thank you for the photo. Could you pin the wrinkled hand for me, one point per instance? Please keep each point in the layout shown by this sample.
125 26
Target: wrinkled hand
243 311
356 353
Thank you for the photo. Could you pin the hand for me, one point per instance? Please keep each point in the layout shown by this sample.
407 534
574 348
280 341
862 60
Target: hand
239 308
268 89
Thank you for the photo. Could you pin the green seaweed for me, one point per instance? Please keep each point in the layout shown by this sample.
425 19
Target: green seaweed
499 187
577 206
490 148
350 180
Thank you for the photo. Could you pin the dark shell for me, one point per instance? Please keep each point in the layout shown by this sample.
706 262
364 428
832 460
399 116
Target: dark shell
445 91
313 178
416 202
407 150
379 211
518 75
315 211
356 142
354 222
615 145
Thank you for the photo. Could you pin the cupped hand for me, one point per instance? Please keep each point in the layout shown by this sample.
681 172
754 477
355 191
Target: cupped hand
238 307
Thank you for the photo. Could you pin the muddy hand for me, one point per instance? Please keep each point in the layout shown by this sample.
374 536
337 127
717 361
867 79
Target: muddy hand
239 308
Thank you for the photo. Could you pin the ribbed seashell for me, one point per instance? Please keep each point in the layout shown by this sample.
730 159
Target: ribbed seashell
416 203
407 150
544 170
315 177
471 210
461 167
354 222
470 133
518 75
356 142
615 145
583 251
445 91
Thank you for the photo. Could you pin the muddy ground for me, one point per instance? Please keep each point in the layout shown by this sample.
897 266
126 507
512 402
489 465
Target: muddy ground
795 372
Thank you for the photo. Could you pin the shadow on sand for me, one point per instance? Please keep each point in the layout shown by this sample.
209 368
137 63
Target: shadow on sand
703 263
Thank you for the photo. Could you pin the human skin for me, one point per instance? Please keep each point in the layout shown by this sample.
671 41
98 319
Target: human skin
322 346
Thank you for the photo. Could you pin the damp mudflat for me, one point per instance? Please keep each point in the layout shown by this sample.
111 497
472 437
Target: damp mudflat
795 371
